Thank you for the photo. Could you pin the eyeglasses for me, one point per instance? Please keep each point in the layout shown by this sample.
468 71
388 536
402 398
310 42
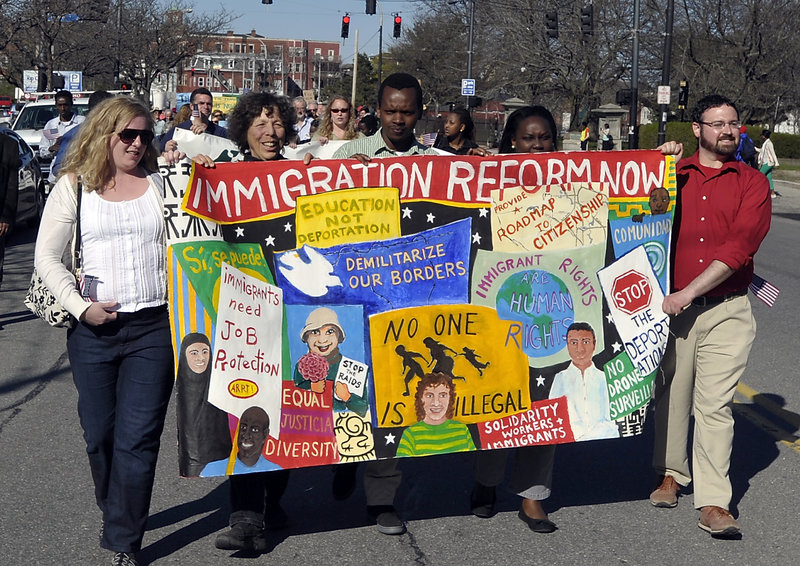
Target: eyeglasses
129 135
337 110
720 125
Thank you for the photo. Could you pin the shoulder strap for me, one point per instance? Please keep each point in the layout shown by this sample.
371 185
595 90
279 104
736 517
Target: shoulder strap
76 258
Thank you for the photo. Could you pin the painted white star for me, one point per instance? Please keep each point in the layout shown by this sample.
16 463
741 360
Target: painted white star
483 212
617 347
431 218
287 227
390 438
239 232
270 240
560 421
540 381
407 213
476 238
610 318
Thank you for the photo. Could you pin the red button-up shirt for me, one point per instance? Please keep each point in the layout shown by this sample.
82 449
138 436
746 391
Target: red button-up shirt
724 214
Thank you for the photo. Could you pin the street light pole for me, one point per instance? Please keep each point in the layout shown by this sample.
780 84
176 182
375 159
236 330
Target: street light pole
380 45
633 122
664 108
470 44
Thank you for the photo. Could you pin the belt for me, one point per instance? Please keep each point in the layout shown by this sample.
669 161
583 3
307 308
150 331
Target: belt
705 301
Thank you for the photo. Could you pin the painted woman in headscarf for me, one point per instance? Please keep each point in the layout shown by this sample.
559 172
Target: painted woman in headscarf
203 432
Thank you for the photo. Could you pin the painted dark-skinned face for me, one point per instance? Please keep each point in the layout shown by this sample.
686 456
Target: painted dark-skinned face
253 432
580 345
659 201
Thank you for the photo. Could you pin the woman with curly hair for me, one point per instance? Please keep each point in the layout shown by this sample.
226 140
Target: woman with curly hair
435 431
338 122
260 125
120 349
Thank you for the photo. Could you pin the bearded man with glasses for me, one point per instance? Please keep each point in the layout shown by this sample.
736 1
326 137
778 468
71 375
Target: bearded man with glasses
723 213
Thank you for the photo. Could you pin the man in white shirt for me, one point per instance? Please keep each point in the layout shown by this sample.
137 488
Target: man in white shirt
584 387
58 126
303 124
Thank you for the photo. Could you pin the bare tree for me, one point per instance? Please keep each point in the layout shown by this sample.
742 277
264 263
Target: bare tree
132 40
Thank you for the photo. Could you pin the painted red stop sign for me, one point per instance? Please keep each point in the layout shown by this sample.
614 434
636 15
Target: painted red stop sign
631 292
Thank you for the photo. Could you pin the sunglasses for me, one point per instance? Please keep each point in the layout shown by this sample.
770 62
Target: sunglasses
129 135
337 110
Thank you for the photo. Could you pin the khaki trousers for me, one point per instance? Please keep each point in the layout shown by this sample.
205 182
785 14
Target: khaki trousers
706 355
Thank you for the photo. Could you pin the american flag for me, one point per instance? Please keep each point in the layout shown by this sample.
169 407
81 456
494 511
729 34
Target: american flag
429 139
764 290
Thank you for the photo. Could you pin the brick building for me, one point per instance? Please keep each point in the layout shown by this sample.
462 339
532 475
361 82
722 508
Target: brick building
235 62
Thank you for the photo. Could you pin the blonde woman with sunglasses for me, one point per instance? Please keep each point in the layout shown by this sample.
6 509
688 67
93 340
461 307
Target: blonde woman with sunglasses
338 122
120 348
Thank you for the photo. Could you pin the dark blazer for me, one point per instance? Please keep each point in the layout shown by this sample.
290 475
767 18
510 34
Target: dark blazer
9 178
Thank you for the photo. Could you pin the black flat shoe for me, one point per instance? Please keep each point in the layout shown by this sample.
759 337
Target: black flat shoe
537 525
482 500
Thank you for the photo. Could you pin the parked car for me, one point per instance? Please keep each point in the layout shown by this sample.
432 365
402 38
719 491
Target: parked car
31 182
34 115
5 117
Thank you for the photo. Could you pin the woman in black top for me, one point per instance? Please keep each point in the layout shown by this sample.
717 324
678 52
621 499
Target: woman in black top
459 134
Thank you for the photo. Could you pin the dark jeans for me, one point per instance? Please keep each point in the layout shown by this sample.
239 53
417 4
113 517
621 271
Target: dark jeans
124 373
252 493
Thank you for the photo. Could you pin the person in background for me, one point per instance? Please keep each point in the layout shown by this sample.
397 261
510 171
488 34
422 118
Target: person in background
767 160
459 134
530 129
120 349
747 151
159 122
56 127
95 98
203 101
584 136
302 122
9 191
368 125
338 122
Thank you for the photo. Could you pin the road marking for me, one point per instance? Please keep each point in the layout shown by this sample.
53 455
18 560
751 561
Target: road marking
775 431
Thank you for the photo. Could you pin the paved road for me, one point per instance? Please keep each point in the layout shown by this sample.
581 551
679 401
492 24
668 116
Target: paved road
47 514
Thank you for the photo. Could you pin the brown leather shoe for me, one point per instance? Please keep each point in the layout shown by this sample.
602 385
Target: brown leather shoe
666 494
718 521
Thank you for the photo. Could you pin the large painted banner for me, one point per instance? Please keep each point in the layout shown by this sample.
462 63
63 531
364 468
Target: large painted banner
340 312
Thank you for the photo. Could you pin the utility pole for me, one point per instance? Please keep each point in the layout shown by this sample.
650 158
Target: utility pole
664 108
633 122
355 71
470 45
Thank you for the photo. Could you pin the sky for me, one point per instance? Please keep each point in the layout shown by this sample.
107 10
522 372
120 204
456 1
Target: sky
314 19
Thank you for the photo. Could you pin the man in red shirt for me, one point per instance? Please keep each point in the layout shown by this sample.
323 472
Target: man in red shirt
723 213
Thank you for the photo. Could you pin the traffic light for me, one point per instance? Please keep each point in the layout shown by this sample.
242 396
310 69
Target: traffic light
683 95
551 24
58 81
398 21
587 20
345 26
371 7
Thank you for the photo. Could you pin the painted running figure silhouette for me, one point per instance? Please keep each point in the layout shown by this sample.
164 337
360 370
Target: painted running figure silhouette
444 363
472 358
413 365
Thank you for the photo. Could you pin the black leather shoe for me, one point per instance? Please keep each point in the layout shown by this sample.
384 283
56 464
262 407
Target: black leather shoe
537 525
482 500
